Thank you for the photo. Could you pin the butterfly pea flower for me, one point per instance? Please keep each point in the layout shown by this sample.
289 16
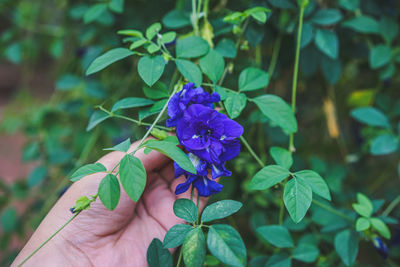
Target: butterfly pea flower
184 98
204 185
381 247
208 134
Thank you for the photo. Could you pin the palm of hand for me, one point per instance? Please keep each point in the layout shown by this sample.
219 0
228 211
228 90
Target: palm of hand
101 237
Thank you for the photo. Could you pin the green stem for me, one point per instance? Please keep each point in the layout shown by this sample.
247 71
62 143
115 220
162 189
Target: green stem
180 258
48 239
295 72
333 211
391 206
141 123
246 144
198 208
281 212
195 18
132 120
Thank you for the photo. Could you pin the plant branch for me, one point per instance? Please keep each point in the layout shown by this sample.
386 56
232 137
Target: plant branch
48 239
296 71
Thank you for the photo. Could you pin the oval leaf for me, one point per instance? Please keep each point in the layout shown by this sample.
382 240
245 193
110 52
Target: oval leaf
194 248
277 235
268 177
87 170
109 191
133 176
225 243
108 58
176 235
220 209
172 151
297 197
252 79
157 256
186 209
151 68
278 111
131 102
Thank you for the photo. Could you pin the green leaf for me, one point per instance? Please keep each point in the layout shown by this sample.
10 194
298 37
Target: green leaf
279 260
252 79
116 5
151 68
268 177
152 30
327 42
227 48
190 71
379 56
37 175
186 209
131 102
381 227
87 170
176 235
123 146
194 248
307 35
68 82
172 151
133 33
306 253
316 182
362 24
157 91
371 116
277 235
176 19
384 144
138 43
220 209
212 65
362 224
349 4
97 117
282 157
108 58
168 37
297 197
225 243
109 191
133 176
331 68
327 16
278 111
234 104
157 256
9 220
346 245
191 47
94 12
388 28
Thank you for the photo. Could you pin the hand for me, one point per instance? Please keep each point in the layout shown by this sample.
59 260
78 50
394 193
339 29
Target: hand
100 237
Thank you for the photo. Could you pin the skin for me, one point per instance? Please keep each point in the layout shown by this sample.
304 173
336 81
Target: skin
99 237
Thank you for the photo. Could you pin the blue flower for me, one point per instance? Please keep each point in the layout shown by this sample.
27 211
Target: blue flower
204 185
381 247
184 98
208 134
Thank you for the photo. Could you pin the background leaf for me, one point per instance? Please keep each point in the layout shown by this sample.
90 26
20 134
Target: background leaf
277 235
346 245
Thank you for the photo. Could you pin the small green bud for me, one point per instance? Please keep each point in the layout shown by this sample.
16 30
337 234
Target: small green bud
159 134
